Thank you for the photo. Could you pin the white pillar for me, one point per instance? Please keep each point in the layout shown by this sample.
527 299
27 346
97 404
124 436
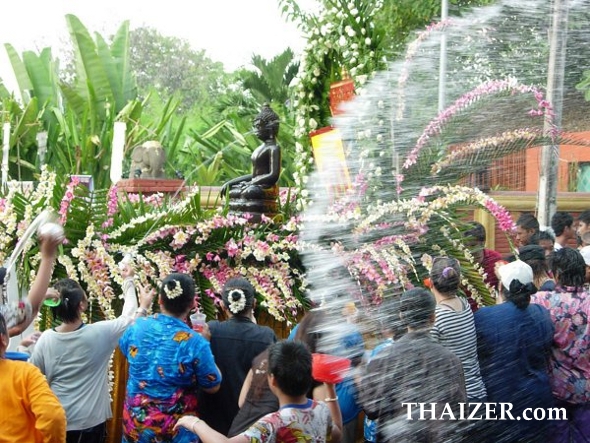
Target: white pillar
118 151
5 148
42 146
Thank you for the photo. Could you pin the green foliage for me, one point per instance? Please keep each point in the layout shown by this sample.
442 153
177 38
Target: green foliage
402 17
220 153
171 67
222 150
270 82
78 110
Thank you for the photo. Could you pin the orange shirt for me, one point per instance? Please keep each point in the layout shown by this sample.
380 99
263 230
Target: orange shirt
29 411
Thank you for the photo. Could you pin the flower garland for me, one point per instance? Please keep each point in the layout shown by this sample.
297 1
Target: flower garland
489 88
67 199
8 224
525 137
237 300
175 291
340 36
112 206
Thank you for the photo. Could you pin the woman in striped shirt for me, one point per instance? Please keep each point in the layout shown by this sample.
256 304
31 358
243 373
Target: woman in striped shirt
454 327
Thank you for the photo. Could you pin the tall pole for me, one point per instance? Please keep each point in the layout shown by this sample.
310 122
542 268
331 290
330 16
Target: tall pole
118 151
547 196
42 146
5 149
442 71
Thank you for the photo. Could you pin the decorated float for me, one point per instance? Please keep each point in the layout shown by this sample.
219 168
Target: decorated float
396 187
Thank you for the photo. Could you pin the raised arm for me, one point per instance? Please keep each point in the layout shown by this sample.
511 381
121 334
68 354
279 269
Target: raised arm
38 290
146 298
327 394
129 293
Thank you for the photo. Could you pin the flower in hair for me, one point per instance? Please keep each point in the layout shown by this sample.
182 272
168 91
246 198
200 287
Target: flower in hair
174 292
237 300
447 272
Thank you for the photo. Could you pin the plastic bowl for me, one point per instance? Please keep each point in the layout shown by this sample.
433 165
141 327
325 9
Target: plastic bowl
327 368
21 356
51 302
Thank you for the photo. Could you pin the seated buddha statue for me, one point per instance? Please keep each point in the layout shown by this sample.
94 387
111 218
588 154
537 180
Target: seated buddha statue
257 192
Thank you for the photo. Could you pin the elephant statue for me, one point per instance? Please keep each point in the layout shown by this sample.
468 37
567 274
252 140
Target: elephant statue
147 160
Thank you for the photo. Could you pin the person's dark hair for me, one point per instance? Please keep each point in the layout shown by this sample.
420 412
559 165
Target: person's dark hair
476 231
584 217
3 285
545 235
519 294
528 221
389 317
290 364
177 293
568 267
560 221
309 329
534 256
417 307
3 328
238 295
445 274
541 235
71 295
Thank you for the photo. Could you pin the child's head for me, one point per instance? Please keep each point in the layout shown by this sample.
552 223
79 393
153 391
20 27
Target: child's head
289 363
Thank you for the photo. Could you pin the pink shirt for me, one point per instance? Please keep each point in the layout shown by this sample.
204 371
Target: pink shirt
570 359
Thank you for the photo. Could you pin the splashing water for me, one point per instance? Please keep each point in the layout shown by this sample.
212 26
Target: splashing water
410 164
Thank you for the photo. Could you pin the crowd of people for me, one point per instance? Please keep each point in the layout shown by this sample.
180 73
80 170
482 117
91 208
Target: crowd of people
235 380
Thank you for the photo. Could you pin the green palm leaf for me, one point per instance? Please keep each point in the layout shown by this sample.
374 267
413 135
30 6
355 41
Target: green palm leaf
20 72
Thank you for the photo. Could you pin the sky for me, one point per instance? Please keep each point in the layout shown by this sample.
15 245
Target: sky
230 31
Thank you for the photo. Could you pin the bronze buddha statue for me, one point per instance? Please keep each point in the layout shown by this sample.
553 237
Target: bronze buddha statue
257 193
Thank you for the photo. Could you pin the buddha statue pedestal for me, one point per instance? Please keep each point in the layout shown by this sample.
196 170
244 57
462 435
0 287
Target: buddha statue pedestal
266 203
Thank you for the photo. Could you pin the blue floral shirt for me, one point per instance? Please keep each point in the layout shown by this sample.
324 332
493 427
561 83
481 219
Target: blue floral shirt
168 361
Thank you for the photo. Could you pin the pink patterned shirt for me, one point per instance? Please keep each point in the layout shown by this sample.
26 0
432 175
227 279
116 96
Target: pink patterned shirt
570 359
310 423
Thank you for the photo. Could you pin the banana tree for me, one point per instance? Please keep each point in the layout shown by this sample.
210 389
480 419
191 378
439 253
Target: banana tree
78 113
